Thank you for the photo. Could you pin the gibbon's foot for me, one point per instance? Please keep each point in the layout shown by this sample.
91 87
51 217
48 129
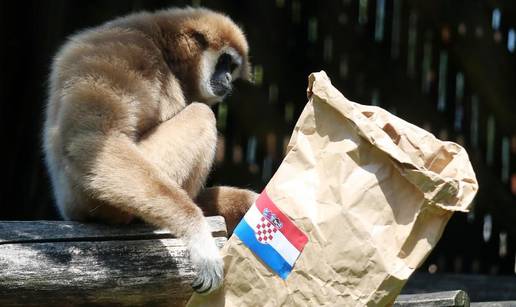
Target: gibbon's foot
206 259
232 203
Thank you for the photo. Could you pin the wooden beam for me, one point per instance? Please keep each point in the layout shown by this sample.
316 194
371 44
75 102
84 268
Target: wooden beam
480 288
67 264
447 298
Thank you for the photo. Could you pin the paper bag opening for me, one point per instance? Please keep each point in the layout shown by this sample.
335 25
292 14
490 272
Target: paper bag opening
438 169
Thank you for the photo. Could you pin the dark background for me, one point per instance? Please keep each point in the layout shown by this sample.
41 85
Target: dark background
447 66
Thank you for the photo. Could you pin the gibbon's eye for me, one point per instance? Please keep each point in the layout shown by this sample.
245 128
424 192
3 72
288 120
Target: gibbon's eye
226 63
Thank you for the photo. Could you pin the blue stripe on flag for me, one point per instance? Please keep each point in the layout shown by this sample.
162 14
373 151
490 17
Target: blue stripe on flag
264 251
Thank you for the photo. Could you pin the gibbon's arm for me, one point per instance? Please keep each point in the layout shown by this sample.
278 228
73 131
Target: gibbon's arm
122 176
184 148
125 178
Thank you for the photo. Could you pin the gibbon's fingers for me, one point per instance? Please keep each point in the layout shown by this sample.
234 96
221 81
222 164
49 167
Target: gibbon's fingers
209 266
231 203
183 147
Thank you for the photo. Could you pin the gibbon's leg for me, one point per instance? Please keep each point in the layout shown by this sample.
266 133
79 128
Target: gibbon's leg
183 147
231 203
121 175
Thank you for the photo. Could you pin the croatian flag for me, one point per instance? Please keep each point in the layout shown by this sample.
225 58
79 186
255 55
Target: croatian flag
271 235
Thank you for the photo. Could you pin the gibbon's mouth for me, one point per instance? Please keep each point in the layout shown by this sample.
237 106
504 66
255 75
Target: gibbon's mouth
220 88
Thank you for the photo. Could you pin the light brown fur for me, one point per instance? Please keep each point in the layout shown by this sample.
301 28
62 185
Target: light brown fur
123 135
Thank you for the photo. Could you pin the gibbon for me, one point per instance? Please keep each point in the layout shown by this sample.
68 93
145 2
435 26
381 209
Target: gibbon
129 132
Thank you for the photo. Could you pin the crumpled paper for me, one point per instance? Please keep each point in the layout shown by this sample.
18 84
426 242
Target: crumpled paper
372 192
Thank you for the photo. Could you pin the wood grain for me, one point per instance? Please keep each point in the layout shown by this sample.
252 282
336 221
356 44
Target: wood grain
457 298
71 264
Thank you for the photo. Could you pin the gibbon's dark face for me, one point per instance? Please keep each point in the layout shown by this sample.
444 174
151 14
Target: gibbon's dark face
222 75
219 68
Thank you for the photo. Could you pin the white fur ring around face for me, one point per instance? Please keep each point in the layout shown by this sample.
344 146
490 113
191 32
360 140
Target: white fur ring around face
207 262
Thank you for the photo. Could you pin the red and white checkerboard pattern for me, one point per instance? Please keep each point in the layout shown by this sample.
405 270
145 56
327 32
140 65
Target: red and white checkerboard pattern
265 231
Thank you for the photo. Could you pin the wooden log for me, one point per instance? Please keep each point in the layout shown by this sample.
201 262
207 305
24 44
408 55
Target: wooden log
480 288
437 299
48 263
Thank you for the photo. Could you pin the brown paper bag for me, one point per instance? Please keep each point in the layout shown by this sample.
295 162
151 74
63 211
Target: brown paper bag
373 194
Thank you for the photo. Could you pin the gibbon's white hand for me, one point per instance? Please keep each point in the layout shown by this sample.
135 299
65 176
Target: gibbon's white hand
207 262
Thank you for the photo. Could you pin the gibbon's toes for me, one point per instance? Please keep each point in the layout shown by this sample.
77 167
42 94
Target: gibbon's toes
210 274
208 265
